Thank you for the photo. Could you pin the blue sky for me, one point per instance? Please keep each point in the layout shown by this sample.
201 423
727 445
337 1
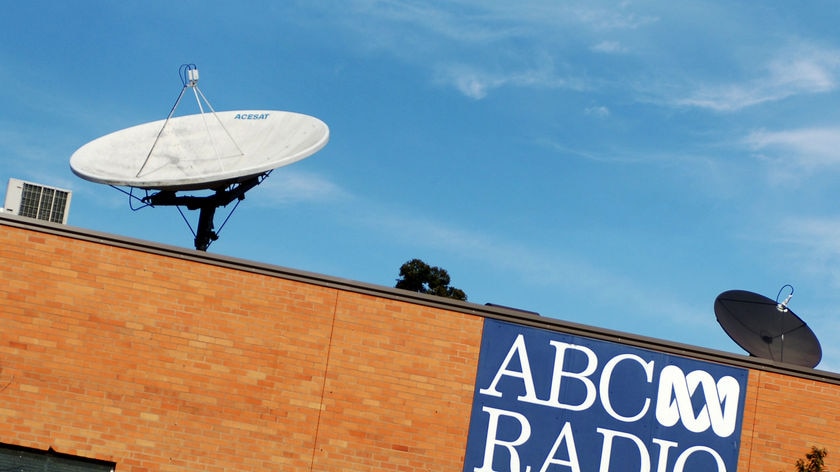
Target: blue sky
617 164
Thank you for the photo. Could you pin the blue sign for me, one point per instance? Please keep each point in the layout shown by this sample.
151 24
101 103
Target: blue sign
552 402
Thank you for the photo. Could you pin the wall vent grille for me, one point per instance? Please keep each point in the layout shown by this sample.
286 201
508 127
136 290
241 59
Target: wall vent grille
37 201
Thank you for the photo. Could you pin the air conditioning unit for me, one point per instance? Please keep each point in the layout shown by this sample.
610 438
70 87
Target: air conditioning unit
37 201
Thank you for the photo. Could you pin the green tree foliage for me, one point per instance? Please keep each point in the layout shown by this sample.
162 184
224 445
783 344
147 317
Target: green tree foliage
417 276
814 461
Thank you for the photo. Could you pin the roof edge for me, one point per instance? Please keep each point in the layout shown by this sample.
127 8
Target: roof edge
486 311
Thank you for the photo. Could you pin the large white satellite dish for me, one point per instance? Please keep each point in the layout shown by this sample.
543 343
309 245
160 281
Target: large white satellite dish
201 151
227 152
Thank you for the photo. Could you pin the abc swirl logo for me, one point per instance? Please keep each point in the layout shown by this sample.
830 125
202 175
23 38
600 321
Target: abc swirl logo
676 389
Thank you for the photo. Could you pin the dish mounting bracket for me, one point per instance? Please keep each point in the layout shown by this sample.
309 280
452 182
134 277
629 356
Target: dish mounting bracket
206 205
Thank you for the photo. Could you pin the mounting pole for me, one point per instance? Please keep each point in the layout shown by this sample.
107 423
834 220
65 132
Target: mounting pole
204 233
207 205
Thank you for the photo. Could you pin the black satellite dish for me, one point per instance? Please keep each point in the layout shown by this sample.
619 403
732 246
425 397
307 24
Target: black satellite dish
766 328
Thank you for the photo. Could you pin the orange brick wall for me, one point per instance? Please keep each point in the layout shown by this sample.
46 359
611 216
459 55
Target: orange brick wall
783 417
157 363
160 363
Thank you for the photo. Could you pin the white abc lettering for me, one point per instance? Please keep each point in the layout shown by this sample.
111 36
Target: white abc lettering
558 374
605 386
673 402
517 349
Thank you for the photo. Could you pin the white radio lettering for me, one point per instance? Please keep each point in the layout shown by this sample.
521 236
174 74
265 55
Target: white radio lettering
573 463
565 403
565 436
510 446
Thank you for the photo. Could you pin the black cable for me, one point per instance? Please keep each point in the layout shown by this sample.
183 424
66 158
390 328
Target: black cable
780 291
183 71
261 178
185 220
131 197
230 213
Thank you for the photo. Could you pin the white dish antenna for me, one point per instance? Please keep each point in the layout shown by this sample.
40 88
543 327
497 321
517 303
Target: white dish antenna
228 152
200 151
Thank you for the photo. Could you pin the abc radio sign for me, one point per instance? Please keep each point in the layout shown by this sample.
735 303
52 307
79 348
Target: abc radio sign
551 402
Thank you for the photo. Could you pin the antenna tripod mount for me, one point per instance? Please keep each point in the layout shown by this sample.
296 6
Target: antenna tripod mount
207 205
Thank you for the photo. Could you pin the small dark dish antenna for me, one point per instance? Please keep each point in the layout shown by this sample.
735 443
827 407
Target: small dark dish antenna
177 161
767 328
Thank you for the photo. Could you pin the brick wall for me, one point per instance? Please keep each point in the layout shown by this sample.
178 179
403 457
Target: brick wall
784 416
160 363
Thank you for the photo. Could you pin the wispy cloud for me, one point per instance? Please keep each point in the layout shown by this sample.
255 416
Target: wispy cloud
491 20
806 149
526 262
293 186
27 155
480 46
819 234
810 244
475 82
803 69
534 266
609 47
597 111
814 244
612 18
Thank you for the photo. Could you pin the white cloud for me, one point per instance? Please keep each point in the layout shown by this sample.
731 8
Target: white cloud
473 84
598 112
807 148
611 18
478 46
290 186
811 249
795 71
817 233
476 83
483 20
812 73
609 47
542 268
